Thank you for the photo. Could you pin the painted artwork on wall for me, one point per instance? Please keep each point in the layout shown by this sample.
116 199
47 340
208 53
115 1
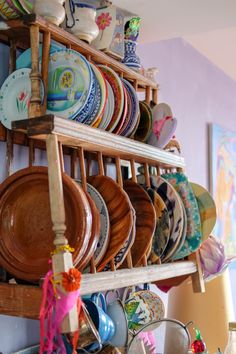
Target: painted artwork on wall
223 184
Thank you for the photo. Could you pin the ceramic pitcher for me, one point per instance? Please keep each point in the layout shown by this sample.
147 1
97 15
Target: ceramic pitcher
80 20
53 10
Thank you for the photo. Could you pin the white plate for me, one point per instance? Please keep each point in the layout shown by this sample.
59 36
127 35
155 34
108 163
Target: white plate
15 95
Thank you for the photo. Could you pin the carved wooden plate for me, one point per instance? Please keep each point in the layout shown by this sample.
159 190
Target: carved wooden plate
120 214
145 219
26 236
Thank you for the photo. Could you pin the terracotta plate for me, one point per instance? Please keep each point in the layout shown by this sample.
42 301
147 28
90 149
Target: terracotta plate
26 234
145 219
120 214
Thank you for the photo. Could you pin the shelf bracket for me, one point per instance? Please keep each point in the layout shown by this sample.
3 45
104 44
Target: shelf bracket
197 277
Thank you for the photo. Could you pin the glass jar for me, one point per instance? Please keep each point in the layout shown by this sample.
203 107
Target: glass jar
231 345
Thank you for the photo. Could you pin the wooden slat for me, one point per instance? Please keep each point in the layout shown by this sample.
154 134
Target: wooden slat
91 139
24 301
20 26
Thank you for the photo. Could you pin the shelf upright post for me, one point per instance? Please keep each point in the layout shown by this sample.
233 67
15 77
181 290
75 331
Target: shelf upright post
35 77
62 259
44 69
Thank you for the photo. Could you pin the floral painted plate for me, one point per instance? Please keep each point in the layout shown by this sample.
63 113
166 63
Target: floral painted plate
15 95
194 234
69 83
184 232
118 91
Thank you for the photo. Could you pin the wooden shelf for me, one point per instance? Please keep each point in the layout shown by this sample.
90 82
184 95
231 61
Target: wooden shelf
74 134
18 30
24 301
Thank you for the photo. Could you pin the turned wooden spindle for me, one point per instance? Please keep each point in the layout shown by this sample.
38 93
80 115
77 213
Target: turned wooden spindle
9 152
44 68
120 182
35 109
12 56
148 94
61 156
155 95
135 85
147 175
62 260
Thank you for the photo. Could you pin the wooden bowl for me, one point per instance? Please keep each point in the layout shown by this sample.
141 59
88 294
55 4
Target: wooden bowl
120 214
145 219
95 233
26 236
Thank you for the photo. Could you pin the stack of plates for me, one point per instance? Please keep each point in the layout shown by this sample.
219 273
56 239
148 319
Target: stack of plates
78 90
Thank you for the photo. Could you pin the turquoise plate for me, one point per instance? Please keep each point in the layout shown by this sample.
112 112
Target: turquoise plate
24 59
194 234
70 82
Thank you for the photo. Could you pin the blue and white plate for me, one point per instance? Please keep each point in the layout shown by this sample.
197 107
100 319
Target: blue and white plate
70 82
15 95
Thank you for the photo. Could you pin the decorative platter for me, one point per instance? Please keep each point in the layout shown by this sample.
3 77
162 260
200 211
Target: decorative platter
70 82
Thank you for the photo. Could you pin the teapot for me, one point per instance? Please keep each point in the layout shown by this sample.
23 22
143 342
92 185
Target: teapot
80 20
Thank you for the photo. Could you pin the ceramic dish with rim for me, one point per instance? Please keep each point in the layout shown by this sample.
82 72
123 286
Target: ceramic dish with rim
8 10
117 88
144 128
109 108
104 95
121 122
194 235
120 214
90 109
104 222
119 258
133 109
24 59
15 95
21 253
184 232
207 209
173 204
70 82
145 219
27 5
162 227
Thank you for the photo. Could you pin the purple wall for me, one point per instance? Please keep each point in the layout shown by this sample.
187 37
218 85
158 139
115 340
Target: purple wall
199 93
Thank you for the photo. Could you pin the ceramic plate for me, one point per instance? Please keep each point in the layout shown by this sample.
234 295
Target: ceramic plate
27 5
104 94
118 91
120 213
207 209
109 108
8 10
162 230
184 232
133 109
15 95
87 114
145 219
194 235
24 59
21 252
105 223
69 83
173 204
121 122
161 111
145 125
